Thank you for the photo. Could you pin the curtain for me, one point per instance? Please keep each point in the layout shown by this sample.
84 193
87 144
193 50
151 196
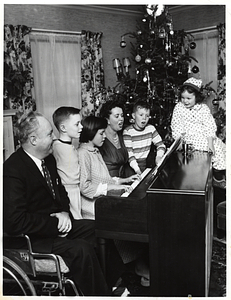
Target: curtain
92 73
210 53
57 71
220 115
221 74
206 53
18 73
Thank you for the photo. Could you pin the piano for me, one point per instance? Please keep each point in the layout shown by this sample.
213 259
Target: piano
171 209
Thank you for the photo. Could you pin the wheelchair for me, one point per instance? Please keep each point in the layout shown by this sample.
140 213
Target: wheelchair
26 273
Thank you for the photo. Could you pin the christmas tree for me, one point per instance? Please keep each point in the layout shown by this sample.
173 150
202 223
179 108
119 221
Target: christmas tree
162 64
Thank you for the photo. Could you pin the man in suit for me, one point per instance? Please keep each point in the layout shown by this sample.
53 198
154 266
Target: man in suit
41 211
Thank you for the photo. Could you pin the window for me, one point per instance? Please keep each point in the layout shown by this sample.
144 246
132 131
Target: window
56 62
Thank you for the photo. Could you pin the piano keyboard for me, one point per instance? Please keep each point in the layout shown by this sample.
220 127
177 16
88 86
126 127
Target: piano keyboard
136 182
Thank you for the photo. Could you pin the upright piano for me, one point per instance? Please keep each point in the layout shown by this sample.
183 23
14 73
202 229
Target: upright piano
171 209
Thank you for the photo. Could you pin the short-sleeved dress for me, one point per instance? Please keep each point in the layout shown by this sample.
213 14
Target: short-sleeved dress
196 125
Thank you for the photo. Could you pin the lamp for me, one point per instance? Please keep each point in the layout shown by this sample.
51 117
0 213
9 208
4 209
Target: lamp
117 65
126 64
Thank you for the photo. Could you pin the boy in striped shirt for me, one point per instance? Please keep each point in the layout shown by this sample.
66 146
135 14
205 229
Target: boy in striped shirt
138 138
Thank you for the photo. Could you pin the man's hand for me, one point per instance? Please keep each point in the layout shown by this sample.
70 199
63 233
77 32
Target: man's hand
64 224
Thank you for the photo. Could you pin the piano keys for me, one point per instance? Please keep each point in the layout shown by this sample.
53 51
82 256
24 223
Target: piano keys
171 209
137 182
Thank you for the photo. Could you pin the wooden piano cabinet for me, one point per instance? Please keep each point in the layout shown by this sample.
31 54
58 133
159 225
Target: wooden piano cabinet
172 210
180 235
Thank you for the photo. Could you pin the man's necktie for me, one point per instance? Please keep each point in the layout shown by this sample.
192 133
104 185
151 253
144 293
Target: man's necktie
47 176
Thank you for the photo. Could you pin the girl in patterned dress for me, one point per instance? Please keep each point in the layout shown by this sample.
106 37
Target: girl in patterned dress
193 121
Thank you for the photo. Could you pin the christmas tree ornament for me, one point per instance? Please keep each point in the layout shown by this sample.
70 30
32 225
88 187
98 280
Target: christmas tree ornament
148 60
122 43
162 33
138 58
145 79
150 9
160 9
144 20
192 45
174 53
152 32
141 46
139 32
186 48
215 102
195 69
167 47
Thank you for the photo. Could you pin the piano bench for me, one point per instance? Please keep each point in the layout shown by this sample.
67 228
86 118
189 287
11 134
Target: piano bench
221 219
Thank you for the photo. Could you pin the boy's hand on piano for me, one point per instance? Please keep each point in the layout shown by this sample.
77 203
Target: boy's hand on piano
138 172
158 159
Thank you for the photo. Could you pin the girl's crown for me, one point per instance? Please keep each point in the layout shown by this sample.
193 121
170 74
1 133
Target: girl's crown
194 82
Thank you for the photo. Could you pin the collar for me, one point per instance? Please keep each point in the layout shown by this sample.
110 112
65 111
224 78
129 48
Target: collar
65 142
139 129
36 160
89 147
196 107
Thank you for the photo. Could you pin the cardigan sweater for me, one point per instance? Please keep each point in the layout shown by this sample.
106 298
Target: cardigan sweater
93 172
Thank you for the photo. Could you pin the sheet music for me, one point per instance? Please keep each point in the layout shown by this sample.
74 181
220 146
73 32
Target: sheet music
136 182
171 149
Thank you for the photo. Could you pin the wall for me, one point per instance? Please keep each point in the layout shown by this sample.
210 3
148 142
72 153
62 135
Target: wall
112 21
190 17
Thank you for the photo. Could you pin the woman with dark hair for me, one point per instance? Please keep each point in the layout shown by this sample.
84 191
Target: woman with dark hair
95 179
113 150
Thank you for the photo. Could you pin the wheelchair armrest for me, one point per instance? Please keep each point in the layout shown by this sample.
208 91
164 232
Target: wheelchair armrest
51 263
12 239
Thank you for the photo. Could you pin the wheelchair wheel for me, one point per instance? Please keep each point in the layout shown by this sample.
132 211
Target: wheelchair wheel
15 280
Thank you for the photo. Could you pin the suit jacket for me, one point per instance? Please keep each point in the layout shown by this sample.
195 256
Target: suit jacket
28 201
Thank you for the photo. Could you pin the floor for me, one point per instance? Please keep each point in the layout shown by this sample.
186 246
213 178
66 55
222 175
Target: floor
217 277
